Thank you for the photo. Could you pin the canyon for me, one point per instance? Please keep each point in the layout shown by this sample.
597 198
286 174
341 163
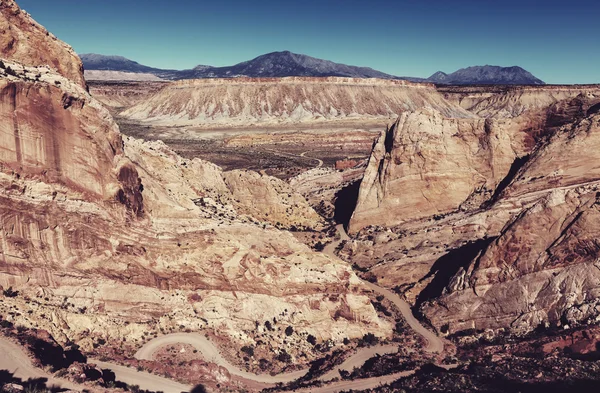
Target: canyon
295 233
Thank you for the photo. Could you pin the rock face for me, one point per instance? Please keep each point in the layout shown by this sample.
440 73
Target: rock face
487 223
55 134
25 41
542 269
426 164
105 237
486 75
513 101
94 75
270 65
542 266
259 102
118 95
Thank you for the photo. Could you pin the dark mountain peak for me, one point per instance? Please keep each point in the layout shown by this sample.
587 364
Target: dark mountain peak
93 61
202 67
284 58
286 63
97 58
438 77
487 75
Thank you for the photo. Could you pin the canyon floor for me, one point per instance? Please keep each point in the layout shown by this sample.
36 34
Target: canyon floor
283 152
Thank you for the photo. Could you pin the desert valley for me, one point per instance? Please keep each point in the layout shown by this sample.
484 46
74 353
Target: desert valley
292 224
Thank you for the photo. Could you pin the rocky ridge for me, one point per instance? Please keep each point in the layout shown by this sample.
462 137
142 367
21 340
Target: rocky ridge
259 102
107 239
513 101
502 241
25 41
486 75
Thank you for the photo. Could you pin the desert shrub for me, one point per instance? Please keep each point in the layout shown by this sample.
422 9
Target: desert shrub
248 350
284 357
10 293
367 340
268 325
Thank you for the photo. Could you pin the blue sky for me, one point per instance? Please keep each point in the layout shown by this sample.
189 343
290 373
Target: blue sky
556 41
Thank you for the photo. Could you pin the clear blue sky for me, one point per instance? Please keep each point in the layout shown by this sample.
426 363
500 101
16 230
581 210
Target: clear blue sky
558 41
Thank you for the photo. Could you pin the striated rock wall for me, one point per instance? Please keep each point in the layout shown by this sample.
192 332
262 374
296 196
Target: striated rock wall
542 268
513 101
247 102
25 41
110 238
426 164
120 95
520 250
54 132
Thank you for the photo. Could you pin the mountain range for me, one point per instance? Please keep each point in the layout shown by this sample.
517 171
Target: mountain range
483 75
286 63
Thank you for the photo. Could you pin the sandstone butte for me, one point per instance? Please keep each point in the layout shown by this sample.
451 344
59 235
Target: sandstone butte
488 223
25 41
245 102
107 237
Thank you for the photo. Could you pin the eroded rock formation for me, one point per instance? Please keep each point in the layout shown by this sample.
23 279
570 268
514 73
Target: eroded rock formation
542 268
486 224
105 237
426 164
25 41
275 101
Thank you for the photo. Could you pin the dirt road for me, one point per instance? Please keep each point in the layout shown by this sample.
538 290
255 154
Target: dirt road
212 354
144 380
15 360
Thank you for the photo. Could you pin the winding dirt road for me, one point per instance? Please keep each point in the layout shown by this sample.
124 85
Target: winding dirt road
144 380
14 359
319 161
358 359
211 354
434 343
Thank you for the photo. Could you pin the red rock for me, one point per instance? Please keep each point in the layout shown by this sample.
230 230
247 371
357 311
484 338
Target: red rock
25 41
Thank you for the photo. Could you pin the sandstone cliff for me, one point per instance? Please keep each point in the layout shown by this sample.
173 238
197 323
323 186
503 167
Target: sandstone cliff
105 237
25 41
426 164
247 102
487 242
119 95
541 268
513 101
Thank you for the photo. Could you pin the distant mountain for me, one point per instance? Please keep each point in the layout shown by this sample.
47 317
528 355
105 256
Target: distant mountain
281 64
95 62
271 65
486 75
438 77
